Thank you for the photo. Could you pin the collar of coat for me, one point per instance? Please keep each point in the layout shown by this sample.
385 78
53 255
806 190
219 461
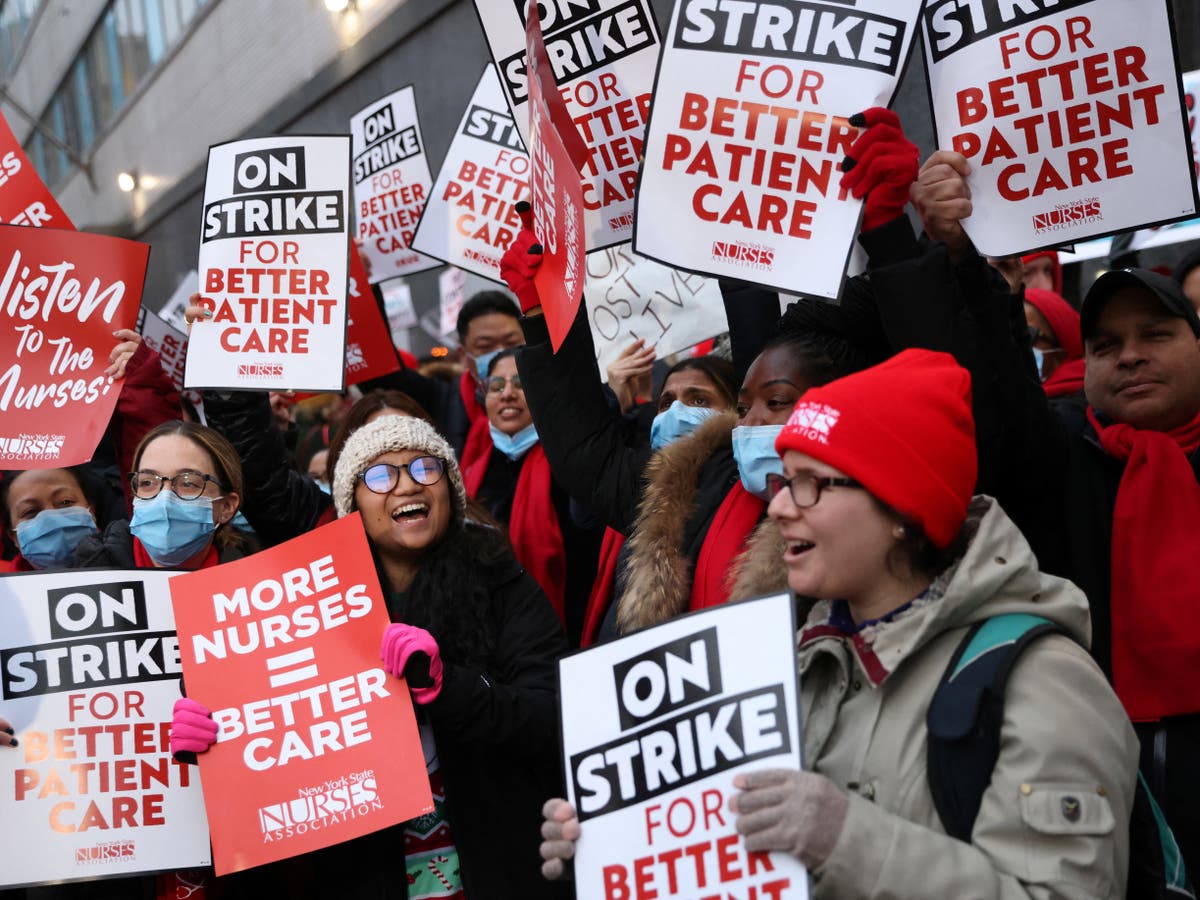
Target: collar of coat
658 575
997 574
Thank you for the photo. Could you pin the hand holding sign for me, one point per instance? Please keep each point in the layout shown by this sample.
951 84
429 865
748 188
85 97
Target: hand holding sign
795 812
122 353
560 831
881 165
521 260
7 734
942 198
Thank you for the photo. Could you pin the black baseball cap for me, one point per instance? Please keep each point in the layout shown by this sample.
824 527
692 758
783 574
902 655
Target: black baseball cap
1166 289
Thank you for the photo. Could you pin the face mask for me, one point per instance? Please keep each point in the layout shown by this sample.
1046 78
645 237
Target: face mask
676 421
50 537
172 530
1039 359
514 446
754 453
323 485
483 361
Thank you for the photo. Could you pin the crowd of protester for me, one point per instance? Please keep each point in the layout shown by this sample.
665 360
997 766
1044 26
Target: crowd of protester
994 450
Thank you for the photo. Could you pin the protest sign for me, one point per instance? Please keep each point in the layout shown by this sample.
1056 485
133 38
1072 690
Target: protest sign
556 154
1069 113
603 54
391 184
167 341
62 295
369 350
89 671
471 218
317 744
631 297
24 198
173 311
655 727
273 266
748 128
452 291
398 304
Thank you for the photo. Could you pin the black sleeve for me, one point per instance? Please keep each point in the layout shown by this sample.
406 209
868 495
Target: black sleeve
439 398
752 313
514 703
583 436
280 503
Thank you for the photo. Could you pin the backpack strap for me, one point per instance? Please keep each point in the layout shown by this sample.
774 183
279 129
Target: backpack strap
966 714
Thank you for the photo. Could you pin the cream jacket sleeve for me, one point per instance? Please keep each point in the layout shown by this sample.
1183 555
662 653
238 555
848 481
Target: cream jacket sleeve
1054 823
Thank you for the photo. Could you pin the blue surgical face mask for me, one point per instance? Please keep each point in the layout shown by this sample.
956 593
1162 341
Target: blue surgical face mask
676 421
323 485
754 453
484 360
1039 359
50 537
514 446
172 530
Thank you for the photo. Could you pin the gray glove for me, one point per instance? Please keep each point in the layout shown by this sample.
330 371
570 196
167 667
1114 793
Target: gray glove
786 810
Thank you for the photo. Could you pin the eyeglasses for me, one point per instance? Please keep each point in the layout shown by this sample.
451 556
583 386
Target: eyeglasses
382 478
185 485
497 383
805 489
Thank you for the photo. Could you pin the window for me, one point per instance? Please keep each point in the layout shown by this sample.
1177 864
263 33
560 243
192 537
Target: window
130 39
15 16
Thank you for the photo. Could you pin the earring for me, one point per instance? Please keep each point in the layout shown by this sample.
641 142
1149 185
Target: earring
899 532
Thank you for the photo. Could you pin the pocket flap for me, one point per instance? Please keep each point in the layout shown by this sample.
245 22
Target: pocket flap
1066 809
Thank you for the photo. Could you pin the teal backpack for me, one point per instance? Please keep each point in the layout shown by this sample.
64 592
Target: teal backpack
964 721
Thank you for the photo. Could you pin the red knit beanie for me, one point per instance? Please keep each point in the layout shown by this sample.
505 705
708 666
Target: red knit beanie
1063 319
1056 274
904 430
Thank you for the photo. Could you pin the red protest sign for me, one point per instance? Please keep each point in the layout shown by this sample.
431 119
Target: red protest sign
62 295
24 198
369 349
317 744
557 154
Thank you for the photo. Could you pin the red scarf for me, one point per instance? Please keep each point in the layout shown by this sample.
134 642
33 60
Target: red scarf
1067 379
735 520
1155 545
142 560
602 589
533 526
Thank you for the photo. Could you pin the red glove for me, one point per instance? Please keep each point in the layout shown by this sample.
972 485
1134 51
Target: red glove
412 654
192 729
521 260
882 165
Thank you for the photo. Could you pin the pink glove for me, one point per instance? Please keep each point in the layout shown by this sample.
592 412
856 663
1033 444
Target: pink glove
882 166
412 654
192 729
521 260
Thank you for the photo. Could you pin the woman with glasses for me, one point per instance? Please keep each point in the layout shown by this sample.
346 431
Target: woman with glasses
477 641
899 562
186 485
511 477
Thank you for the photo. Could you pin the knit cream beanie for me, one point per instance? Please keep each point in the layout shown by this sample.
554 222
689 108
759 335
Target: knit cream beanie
385 434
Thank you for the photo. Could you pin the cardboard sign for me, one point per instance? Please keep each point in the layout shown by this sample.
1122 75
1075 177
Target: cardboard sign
557 154
62 295
317 744
655 727
369 350
1070 114
273 266
630 297
89 671
452 291
748 129
471 217
603 54
24 197
167 341
391 184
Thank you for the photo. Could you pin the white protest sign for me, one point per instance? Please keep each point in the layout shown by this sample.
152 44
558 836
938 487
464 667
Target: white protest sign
167 341
452 291
655 727
398 302
391 184
631 297
89 671
471 217
173 310
273 266
748 129
1069 113
603 53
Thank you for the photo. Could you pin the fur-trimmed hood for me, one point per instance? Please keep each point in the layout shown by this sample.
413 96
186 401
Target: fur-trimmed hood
658 574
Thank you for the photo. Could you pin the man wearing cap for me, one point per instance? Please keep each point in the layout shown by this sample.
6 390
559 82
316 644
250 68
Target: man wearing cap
1107 487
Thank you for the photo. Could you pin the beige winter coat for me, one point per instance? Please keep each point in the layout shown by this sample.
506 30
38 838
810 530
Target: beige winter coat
1065 741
